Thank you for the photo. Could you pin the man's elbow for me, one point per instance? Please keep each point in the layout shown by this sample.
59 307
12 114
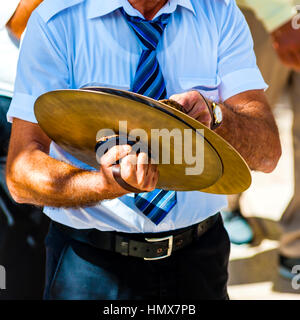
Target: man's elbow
15 180
269 161
14 188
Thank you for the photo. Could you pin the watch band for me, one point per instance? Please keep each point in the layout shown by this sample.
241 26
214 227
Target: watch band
214 124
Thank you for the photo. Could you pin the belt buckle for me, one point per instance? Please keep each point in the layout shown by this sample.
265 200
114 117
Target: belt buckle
170 246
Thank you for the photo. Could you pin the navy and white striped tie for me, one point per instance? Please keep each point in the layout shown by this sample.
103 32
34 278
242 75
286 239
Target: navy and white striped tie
149 81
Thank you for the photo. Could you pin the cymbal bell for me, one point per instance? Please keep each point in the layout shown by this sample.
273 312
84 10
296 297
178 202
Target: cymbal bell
73 119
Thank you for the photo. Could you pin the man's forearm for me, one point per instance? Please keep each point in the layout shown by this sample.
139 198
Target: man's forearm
36 178
248 124
253 133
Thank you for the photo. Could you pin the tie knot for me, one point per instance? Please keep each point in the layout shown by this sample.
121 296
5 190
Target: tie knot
148 31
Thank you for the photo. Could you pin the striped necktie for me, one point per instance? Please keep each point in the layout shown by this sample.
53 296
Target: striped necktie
149 81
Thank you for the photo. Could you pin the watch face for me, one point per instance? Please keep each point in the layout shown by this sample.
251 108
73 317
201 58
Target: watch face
217 113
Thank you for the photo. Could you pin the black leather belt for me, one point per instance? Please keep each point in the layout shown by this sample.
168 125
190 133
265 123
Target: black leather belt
149 246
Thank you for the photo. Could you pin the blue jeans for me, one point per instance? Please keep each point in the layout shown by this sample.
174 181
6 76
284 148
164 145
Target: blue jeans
75 270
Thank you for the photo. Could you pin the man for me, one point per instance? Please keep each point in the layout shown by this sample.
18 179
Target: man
161 49
22 227
275 26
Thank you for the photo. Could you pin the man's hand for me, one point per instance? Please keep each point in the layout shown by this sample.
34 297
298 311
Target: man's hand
248 125
194 105
135 170
286 42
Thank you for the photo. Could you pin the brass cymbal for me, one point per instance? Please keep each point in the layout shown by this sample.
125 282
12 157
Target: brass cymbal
73 118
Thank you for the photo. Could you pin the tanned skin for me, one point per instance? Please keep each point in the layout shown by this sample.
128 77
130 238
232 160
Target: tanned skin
18 21
34 177
286 42
148 8
248 125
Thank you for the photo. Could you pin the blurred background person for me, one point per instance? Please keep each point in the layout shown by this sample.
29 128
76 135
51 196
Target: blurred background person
22 227
275 27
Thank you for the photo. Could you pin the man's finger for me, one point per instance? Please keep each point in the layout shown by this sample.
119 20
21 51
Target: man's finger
113 154
197 110
128 169
152 177
142 167
186 99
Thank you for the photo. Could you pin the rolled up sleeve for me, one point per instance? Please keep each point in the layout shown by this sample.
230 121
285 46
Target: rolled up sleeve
42 67
237 66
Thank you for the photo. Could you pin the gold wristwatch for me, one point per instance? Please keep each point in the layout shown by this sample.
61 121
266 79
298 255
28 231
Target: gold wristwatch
215 113
217 116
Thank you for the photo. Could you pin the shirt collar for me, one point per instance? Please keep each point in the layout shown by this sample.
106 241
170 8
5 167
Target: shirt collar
98 8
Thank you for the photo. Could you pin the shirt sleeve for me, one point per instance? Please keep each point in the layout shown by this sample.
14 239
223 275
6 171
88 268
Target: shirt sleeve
237 66
42 67
6 11
272 13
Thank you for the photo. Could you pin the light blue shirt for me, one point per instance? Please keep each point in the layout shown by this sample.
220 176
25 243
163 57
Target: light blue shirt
73 43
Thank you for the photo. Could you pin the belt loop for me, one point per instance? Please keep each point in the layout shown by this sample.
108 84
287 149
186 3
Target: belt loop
122 245
199 229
